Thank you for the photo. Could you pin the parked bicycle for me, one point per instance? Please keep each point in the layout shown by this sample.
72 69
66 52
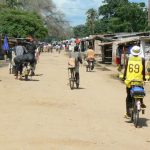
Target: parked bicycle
137 94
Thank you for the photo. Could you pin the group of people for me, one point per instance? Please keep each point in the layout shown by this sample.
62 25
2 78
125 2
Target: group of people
134 70
24 53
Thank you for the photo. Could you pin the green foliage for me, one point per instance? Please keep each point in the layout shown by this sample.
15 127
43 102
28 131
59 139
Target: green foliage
21 24
117 16
80 31
110 6
124 16
92 16
11 3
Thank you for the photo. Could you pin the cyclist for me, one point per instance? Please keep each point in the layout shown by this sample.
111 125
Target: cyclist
19 51
134 70
31 47
90 56
78 60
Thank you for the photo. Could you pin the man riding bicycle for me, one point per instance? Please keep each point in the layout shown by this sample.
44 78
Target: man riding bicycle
19 51
134 70
78 59
90 56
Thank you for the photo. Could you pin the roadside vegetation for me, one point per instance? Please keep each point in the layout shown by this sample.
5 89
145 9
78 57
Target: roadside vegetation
114 16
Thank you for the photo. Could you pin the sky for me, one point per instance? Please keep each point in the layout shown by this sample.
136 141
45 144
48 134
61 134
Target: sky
75 10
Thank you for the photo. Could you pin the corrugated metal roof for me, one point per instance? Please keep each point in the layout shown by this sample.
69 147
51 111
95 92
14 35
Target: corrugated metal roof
127 40
105 43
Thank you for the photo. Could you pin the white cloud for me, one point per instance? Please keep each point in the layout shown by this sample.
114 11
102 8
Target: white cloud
75 9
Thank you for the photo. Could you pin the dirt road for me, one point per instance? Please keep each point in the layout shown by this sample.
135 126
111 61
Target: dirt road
44 114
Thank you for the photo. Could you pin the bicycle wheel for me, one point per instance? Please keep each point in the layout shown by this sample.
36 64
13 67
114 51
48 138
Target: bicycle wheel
86 68
10 71
135 116
77 84
131 112
71 83
71 79
90 66
26 77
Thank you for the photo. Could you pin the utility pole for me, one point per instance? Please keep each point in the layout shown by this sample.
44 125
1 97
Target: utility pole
148 12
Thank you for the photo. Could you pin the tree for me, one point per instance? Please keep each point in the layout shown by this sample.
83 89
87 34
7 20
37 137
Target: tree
91 18
109 8
80 31
18 23
123 16
13 3
53 19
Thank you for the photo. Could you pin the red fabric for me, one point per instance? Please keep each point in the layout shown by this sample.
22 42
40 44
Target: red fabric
77 41
117 60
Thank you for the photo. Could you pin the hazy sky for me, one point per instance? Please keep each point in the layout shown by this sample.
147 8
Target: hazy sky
75 9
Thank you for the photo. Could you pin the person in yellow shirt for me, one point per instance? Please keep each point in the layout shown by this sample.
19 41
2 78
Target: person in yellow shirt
90 56
134 70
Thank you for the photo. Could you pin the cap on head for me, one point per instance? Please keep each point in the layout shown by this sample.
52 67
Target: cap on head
135 51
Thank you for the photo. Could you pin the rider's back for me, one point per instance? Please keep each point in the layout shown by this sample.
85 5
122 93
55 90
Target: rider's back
90 54
135 69
19 50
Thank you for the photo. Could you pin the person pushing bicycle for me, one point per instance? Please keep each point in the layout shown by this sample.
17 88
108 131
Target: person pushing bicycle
134 70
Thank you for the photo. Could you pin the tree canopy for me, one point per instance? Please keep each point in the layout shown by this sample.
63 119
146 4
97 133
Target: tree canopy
47 13
18 23
115 16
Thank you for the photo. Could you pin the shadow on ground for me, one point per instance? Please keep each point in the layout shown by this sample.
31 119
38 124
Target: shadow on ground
38 75
141 123
29 80
102 68
80 88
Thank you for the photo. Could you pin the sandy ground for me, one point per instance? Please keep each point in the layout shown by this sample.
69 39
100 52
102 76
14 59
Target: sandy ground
44 114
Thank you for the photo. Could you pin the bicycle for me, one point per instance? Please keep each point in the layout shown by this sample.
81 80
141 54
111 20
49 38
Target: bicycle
73 78
90 65
27 70
137 94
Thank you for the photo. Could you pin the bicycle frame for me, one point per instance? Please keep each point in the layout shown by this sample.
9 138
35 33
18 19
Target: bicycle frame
72 78
89 65
26 70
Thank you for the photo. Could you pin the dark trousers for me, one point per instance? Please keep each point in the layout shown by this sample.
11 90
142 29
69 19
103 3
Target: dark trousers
77 77
93 62
128 100
18 69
